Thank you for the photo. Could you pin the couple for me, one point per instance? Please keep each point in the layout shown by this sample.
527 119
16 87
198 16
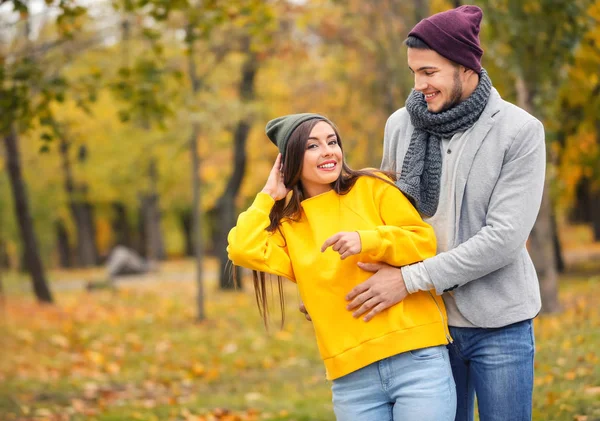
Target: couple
416 277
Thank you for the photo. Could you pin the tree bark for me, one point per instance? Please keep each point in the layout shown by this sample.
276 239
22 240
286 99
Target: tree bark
186 219
140 238
81 211
154 246
87 251
120 226
196 241
595 213
226 203
543 255
542 248
558 255
62 244
2 299
33 261
4 257
595 194
582 209
150 214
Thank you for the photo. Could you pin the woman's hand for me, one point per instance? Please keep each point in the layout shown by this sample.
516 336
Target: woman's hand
275 187
345 243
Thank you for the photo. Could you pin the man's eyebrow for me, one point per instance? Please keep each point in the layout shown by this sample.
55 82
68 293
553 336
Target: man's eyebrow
424 68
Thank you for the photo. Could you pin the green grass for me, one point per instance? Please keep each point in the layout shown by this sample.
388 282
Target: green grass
138 353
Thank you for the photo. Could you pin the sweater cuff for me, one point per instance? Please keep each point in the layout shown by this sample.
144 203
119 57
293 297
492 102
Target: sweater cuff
369 241
263 202
416 278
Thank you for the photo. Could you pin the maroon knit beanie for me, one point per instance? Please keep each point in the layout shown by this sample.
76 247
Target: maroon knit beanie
454 34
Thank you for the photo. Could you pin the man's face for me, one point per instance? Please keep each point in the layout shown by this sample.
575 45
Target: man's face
439 79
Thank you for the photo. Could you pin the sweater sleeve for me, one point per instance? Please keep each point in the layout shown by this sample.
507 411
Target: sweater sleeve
253 247
404 238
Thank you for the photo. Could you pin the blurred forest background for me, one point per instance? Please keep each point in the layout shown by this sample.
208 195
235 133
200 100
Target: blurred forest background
141 123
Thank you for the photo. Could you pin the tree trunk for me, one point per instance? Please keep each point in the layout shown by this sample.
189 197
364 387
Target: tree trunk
186 218
543 255
120 226
33 262
595 194
595 213
3 265
558 255
155 249
142 236
62 244
226 221
197 242
81 211
87 252
542 248
580 213
154 244
226 204
4 257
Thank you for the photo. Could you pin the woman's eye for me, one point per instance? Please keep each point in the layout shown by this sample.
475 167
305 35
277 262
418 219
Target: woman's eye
429 73
333 142
311 146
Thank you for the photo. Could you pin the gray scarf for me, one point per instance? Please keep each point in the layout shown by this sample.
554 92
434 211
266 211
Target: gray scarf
422 166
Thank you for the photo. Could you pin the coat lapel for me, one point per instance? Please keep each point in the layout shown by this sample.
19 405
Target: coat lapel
475 138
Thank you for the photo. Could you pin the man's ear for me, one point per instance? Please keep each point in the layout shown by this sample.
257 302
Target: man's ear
468 72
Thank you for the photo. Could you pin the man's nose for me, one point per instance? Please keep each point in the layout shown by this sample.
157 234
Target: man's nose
420 83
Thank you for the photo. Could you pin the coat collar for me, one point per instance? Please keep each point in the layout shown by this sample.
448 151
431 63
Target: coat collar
478 133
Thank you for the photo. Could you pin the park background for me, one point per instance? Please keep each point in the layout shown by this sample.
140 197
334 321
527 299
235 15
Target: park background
141 123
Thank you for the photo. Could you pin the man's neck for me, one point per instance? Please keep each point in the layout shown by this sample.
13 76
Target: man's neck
470 86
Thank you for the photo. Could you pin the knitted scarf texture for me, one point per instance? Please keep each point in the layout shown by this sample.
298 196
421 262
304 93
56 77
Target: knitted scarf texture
422 166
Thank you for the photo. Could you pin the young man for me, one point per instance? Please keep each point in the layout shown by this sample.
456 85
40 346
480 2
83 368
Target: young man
474 166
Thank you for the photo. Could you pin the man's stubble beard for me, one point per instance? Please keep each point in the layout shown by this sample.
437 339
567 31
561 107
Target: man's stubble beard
456 94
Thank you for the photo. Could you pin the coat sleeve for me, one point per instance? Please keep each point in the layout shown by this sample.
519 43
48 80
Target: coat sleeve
404 238
511 214
253 247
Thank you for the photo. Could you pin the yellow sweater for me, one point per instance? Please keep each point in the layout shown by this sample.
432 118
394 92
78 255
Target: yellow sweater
390 230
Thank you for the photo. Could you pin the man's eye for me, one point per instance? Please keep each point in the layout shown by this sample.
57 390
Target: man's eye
429 73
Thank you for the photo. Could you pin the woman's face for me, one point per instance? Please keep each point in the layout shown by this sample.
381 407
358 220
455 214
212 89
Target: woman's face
323 160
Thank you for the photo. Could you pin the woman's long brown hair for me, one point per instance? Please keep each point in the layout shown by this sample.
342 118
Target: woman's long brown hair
289 208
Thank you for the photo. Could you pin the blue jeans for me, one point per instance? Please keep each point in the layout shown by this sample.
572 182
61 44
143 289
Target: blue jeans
412 386
497 366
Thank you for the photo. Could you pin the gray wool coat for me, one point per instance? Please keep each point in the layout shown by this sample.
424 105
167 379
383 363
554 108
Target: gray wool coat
498 192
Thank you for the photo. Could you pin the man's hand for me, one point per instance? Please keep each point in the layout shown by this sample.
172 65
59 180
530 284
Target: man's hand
303 310
381 291
345 243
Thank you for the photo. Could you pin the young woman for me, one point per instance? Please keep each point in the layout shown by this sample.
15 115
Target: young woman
395 367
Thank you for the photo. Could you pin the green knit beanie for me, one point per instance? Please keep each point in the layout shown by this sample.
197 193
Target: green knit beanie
280 129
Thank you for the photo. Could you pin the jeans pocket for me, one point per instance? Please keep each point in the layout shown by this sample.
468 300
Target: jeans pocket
430 353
